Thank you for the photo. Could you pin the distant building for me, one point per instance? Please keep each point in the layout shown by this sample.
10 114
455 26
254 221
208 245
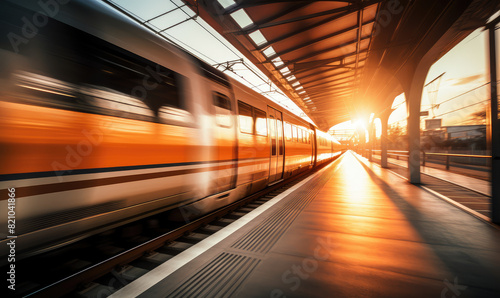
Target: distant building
464 132
460 132
458 137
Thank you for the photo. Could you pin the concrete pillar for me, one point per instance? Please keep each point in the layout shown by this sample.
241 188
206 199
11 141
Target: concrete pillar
384 119
413 99
362 142
371 143
495 129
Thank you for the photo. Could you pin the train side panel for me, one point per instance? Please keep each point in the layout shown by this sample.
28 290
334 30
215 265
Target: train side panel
298 145
253 138
111 123
86 136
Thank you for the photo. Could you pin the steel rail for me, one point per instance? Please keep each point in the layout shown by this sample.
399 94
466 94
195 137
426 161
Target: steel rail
85 276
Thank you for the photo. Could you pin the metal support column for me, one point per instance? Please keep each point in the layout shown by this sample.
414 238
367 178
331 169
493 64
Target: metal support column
495 128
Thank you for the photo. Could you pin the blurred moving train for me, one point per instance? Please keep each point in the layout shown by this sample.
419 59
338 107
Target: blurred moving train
103 122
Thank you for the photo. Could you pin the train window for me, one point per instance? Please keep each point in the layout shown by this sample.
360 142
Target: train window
120 77
167 114
222 106
288 131
212 73
260 122
299 135
294 133
71 69
113 100
245 117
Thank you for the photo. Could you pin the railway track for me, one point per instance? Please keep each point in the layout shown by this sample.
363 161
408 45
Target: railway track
102 264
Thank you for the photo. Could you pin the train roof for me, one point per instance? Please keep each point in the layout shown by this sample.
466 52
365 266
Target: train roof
99 19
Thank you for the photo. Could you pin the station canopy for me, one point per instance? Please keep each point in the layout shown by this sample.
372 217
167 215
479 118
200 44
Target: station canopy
314 51
341 60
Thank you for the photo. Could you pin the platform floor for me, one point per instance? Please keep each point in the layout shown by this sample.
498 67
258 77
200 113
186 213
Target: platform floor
351 230
471 193
478 185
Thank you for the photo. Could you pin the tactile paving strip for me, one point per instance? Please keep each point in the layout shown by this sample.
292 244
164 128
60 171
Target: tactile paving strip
219 278
265 235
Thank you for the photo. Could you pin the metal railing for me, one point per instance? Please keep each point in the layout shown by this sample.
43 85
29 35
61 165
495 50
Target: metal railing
448 155
397 154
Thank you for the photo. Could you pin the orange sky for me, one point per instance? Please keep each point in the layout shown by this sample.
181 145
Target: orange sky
465 69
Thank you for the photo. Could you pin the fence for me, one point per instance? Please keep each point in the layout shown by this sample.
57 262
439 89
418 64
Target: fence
446 158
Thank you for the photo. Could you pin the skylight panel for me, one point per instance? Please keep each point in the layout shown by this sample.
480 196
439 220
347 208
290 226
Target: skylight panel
258 38
226 3
284 70
277 62
242 18
269 52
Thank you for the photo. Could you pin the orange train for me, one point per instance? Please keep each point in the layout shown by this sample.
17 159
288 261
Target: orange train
103 122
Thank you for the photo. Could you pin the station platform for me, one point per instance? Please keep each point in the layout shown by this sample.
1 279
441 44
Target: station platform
467 189
352 229
478 185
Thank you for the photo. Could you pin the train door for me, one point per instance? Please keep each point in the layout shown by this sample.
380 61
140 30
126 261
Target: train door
275 120
314 147
280 146
225 141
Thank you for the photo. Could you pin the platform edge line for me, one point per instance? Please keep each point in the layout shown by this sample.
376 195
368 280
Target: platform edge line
150 279
445 198
461 207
